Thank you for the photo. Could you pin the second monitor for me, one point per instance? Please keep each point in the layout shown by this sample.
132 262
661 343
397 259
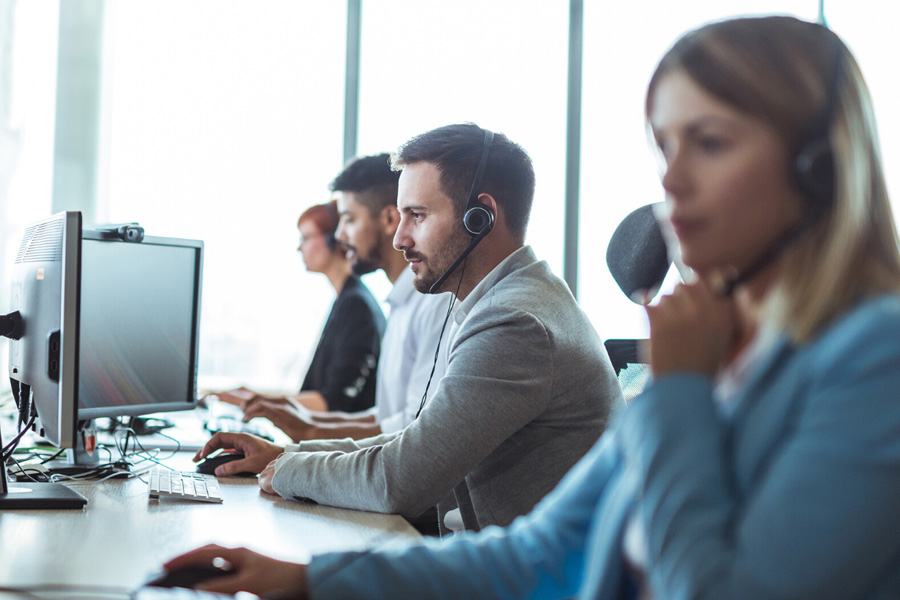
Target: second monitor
140 314
139 328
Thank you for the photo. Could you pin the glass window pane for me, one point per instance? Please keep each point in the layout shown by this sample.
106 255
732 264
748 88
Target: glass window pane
868 27
500 64
223 122
623 42
28 51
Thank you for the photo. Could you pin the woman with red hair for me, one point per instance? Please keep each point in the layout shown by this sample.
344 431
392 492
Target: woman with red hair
342 374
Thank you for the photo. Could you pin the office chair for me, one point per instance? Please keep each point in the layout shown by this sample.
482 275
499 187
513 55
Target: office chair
623 352
632 373
638 260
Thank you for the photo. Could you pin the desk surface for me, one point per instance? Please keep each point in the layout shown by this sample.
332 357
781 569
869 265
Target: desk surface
121 536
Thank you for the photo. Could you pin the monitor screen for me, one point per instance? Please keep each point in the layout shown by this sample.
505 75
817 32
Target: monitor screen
140 315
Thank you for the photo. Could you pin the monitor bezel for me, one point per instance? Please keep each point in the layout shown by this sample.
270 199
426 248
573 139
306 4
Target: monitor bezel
88 414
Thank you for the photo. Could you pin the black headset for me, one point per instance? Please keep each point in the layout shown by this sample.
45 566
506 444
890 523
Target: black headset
814 161
330 239
813 171
478 219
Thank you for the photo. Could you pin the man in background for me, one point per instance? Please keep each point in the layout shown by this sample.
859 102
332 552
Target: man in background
410 354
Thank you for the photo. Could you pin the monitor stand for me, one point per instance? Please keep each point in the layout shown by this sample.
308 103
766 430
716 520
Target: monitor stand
78 461
36 495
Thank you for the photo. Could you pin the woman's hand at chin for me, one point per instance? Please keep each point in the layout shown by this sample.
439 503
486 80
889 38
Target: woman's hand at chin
691 330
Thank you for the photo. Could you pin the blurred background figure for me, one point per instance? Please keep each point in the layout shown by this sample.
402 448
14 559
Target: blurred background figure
343 371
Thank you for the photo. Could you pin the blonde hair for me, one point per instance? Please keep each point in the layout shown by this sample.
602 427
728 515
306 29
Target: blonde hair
780 69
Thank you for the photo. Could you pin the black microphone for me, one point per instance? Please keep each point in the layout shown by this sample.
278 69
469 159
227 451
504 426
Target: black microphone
637 255
435 288
728 284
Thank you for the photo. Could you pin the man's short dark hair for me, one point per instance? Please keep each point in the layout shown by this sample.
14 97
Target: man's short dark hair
371 178
456 150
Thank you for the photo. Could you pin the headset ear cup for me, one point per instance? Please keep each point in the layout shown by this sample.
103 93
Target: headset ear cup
330 238
814 167
478 220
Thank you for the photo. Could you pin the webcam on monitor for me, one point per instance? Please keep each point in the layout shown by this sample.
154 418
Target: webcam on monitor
127 232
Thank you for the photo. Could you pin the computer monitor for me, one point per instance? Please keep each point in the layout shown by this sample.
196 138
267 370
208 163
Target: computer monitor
139 326
43 329
131 328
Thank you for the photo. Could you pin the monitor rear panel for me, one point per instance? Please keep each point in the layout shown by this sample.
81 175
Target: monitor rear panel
45 292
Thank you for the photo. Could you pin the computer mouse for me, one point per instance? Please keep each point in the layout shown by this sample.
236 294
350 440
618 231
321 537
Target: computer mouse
187 577
209 465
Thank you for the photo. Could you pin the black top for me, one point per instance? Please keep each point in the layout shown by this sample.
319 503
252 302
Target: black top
343 369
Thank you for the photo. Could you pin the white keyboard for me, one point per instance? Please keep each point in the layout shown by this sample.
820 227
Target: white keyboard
184 484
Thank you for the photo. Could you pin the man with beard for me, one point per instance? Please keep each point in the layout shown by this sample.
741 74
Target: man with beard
366 192
528 387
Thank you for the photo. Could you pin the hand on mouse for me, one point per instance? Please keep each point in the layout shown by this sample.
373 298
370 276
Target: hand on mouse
257 452
252 572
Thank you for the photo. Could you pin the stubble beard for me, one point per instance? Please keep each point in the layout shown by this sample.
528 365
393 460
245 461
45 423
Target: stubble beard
431 268
370 263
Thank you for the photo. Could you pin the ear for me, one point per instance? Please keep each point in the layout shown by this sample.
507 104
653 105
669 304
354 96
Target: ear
389 218
489 201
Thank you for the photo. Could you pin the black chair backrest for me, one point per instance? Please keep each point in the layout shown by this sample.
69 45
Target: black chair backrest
625 356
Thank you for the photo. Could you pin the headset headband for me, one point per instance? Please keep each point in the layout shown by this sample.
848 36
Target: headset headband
479 172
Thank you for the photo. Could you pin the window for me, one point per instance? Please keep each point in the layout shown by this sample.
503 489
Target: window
868 27
28 43
223 123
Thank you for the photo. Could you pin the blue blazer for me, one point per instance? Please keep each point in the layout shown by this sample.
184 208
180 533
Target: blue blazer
795 493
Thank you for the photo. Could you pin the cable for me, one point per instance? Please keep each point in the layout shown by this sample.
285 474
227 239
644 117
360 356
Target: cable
23 394
124 466
131 436
11 446
54 456
37 477
121 467
437 350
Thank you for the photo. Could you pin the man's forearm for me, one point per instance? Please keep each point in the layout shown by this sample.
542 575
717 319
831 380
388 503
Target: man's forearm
312 400
367 417
345 429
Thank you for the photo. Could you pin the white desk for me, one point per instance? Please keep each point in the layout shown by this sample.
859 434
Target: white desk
121 537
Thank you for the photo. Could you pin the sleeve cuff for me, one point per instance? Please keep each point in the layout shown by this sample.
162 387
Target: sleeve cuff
392 424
